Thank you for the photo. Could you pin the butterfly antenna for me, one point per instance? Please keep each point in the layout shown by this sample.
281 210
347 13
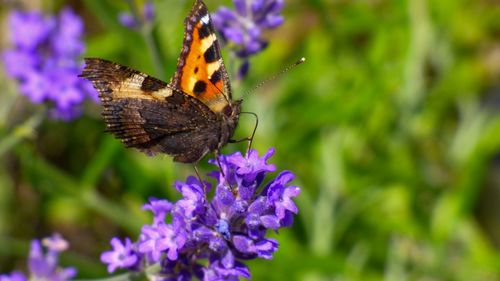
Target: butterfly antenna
277 75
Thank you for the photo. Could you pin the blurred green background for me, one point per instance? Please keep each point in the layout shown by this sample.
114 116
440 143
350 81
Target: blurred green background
392 127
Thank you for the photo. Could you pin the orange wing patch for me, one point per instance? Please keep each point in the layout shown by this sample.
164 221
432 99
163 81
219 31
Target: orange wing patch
200 69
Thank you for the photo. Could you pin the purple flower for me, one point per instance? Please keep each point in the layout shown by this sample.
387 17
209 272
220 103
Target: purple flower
67 38
159 239
29 29
55 243
244 26
127 20
209 238
160 209
252 165
193 196
43 265
280 196
18 63
43 262
122 255
147 16
262 248
218 270
14 276
148 11
257 215
44 60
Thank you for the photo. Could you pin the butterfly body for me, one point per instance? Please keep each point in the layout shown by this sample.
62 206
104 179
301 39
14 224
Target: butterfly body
187 118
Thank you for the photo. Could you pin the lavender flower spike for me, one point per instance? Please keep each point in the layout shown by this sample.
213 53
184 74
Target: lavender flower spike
128 20
244 26
43 262
14 276
43 265
44 60
210 238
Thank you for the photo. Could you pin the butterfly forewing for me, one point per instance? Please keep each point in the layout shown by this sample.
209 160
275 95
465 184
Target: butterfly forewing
200 69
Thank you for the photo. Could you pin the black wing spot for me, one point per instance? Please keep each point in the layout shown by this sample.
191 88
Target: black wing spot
204 31
151 84
211 54
196 70
199 87
216 76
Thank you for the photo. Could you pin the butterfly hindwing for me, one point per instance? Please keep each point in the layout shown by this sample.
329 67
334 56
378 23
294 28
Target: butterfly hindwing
180 126
200 69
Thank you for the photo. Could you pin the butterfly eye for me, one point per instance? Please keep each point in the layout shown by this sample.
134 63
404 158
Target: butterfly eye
228 111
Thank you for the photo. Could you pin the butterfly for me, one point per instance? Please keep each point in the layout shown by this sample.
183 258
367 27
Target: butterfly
187 118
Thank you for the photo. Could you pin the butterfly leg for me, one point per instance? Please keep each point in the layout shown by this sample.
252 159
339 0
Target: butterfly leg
220 165
249 139
222 171
195 166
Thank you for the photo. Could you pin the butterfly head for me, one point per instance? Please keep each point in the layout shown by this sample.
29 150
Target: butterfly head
232 110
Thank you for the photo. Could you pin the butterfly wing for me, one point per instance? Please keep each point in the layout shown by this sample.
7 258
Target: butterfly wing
146 113
200 69
187 118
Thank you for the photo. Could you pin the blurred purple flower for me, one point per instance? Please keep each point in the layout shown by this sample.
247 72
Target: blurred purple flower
43 262
30 29
14 276
210 238
147 16
44 59
127 20
244 26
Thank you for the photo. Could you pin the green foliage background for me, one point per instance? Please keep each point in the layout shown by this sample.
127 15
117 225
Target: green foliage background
392 127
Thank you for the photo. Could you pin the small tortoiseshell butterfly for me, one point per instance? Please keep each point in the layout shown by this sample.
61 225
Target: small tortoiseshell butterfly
187 118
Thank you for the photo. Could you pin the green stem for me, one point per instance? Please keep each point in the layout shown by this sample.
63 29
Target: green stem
103 156
121 277
21 132
131 276
420 45
64 183
146 30
152 44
